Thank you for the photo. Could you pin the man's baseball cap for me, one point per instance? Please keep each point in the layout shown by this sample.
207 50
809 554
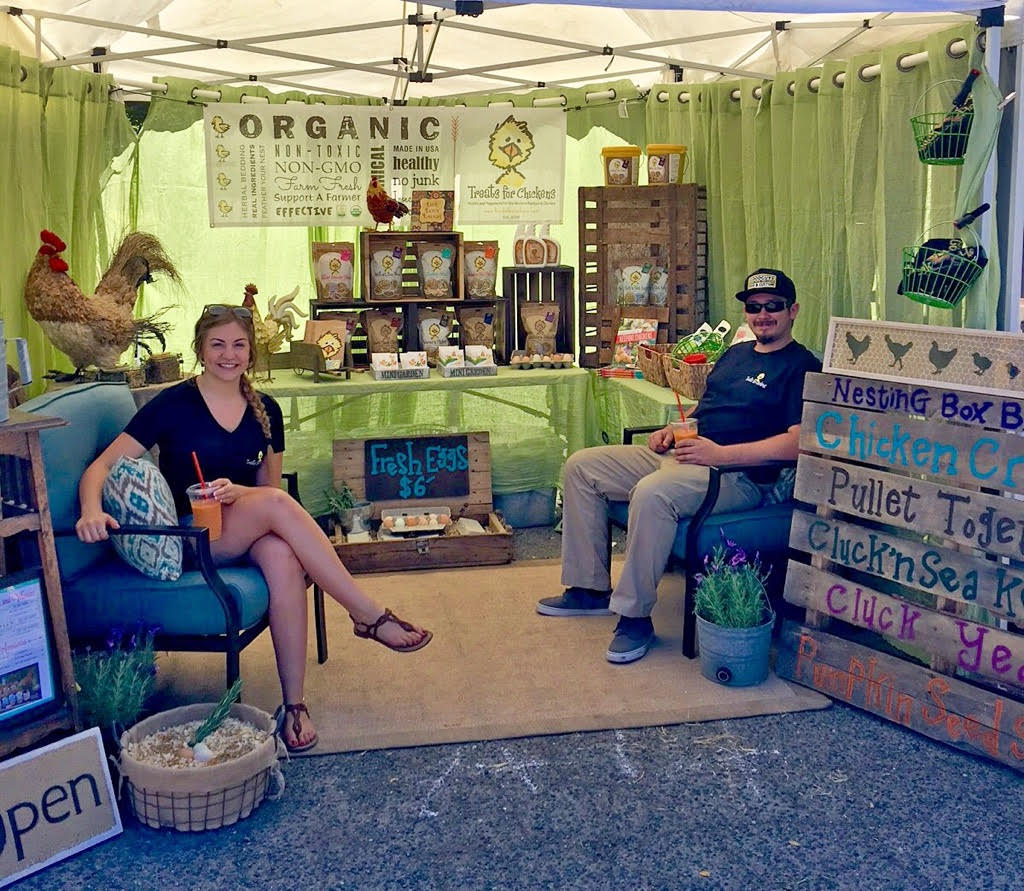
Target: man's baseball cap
768 281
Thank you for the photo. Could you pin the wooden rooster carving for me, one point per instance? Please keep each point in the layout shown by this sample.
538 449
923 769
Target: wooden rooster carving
275 328
95 330
383 208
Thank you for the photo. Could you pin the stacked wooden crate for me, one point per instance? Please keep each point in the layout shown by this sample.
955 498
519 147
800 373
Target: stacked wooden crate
663 225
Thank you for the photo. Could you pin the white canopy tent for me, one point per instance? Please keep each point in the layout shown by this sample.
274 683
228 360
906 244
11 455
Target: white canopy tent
401 50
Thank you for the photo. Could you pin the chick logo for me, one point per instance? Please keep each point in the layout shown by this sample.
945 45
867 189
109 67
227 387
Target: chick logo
330 344
222 152
435 263
758 381
511 144
223 181
478 264
334 265
224 207
220 127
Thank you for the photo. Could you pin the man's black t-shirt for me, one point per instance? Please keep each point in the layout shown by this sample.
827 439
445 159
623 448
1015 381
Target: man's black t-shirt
178 421
751 396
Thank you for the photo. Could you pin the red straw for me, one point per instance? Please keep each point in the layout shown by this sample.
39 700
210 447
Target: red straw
679 402
202 482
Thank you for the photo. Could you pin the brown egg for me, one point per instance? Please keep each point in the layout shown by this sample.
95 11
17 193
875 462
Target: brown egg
412 521
444 519
389 523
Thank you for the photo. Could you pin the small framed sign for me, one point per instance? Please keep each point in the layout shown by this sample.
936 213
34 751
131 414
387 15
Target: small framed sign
417 467
433 210
27 683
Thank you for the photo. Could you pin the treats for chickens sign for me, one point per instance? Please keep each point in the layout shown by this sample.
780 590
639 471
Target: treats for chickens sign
293 165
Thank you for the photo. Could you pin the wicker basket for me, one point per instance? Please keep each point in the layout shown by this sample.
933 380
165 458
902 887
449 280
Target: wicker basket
649 359
194 800
687 380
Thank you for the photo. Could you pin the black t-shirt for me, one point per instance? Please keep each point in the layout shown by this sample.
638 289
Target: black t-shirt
178 421
751 396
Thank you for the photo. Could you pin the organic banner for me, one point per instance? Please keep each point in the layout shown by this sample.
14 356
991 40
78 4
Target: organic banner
292 165
511 164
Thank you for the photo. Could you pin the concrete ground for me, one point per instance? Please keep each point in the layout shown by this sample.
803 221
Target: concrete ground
832 799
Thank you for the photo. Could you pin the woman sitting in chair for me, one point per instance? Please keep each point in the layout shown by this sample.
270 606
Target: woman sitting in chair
238 437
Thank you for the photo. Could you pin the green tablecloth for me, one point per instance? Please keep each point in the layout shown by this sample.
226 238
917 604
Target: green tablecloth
629 402
536 419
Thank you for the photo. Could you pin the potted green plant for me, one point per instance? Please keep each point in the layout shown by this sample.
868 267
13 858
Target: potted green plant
352 513
115 683
734 617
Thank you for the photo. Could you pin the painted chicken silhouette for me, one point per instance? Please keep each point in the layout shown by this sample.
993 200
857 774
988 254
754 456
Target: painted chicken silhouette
383 208
898 350
981 363
96 330
857 347
939 358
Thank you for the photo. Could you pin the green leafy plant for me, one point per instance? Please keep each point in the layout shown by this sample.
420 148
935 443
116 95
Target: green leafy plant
217 716
340 498
115 683
730 592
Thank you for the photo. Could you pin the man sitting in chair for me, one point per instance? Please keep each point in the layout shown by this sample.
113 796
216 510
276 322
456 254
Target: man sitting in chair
750 413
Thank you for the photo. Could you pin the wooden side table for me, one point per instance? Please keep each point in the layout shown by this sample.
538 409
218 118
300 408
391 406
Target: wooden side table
28 510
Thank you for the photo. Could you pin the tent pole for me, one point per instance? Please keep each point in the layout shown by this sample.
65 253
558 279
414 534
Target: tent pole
1014 273
993 45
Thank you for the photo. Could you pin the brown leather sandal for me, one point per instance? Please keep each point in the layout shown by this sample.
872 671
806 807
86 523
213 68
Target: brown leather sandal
294 710
362 629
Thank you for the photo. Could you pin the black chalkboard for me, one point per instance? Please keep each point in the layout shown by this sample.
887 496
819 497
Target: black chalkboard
417 467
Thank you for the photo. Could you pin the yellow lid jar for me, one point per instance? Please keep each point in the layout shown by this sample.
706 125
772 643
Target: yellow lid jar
665 163
621 165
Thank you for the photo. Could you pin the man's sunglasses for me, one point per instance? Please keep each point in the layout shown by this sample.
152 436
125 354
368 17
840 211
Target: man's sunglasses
220 309
771 306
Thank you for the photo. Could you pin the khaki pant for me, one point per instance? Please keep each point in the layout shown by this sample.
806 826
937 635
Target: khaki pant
660 492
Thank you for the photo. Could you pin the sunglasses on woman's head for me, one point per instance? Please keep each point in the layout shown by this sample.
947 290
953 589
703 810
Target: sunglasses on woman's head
220 309
770 306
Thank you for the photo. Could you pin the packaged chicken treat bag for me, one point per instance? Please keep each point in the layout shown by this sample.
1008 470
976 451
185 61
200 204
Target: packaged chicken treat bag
435 325
435 266
386 261
382 329
481 268
332 269
331 335
540 322
476 326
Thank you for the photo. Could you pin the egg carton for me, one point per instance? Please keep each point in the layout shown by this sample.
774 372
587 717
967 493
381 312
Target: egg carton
405 521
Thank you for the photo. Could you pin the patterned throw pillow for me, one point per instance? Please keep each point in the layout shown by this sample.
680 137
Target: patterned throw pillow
136 492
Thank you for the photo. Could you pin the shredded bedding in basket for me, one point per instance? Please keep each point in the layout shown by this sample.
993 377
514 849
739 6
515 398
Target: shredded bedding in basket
169 747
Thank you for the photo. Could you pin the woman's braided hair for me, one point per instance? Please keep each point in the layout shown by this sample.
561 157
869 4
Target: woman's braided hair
206 323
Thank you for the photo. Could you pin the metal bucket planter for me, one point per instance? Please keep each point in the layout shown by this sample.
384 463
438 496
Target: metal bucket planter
734 657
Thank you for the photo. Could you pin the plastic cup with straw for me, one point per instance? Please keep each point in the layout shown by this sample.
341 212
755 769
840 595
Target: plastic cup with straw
685 428
206 509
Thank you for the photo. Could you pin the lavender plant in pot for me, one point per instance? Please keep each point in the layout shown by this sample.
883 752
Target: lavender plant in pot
734 617
352 513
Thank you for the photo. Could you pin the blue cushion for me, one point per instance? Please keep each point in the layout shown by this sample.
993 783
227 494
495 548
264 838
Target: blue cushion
112 593
763 529
136 492
96 414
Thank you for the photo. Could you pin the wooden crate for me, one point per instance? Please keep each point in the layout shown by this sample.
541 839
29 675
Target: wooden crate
541 284
491 548
621 225
368 242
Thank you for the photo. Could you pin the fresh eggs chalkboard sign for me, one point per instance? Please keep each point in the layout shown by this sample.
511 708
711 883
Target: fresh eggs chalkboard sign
411 467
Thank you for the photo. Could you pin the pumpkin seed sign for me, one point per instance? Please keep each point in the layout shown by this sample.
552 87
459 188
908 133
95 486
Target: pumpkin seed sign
415 467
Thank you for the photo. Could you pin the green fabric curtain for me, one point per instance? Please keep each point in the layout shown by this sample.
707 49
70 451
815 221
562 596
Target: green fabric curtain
59 132
824 181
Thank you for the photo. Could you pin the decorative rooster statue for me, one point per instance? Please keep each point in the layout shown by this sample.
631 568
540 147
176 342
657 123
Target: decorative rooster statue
275 328
383 208
96 330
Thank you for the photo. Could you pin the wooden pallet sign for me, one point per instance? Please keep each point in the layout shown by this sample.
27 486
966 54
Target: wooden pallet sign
918 538
957 358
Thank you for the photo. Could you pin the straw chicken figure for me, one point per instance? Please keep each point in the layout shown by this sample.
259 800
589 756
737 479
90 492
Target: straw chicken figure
275 328
383 208
95 330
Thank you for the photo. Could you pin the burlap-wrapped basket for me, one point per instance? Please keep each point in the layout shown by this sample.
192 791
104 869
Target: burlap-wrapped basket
191 800
649 359
687 380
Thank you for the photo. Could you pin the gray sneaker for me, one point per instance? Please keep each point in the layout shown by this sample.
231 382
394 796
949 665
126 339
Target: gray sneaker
576 602
632 640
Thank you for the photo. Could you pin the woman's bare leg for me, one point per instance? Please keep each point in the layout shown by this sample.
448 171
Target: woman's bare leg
266 510
288 622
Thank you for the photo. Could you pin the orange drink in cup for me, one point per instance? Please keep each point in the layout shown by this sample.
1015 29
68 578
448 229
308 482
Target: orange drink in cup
205 508
683 430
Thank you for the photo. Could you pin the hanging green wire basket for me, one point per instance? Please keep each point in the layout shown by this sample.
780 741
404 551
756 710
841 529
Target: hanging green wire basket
940 271
941 136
